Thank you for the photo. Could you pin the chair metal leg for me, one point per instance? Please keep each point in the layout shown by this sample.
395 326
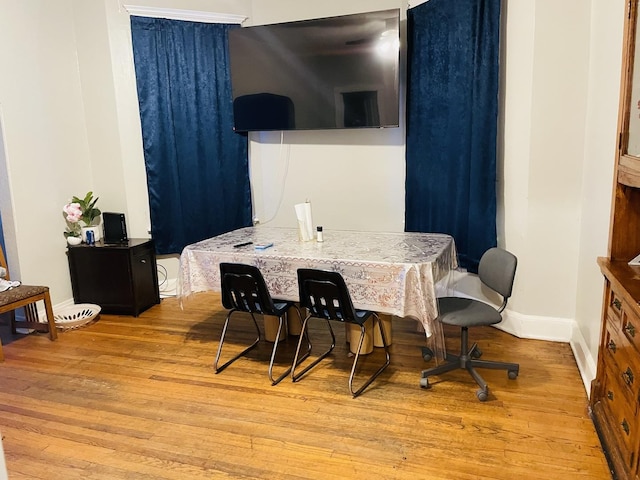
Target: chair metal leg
355 361
222 336
466 360
484 388
282 319
273 356
511 367
296 361
452 363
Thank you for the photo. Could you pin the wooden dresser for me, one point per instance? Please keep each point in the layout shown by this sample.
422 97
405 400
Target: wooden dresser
615 392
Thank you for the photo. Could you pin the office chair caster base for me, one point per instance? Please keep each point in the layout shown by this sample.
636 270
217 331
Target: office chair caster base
513 374
424 382
427 354
476 353
482 395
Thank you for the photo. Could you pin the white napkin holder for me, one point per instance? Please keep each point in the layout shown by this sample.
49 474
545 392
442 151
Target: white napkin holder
305 221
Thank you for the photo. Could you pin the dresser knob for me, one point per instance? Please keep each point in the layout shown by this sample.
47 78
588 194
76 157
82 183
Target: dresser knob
617 304
625 426
627 376
610 395
612 346
630 329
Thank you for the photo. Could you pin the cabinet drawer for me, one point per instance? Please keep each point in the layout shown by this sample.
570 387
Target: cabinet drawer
630 327
623 417
622 362
614 306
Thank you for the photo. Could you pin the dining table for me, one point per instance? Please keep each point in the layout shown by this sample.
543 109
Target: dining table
392 273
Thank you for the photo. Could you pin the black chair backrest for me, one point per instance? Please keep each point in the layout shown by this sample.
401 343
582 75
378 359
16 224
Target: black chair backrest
244 289
497 270
325 295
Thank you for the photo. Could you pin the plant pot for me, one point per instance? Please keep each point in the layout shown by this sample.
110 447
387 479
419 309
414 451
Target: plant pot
74 240
94 229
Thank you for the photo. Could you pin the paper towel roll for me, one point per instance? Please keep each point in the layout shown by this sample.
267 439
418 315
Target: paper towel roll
305 222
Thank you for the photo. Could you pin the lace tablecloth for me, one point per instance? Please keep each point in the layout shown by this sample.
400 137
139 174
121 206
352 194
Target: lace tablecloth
393 273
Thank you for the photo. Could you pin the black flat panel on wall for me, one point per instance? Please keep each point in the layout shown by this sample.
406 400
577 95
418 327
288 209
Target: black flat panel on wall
308 66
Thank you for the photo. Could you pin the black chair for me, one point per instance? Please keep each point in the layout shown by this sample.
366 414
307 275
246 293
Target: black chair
325 296
497 270
244 290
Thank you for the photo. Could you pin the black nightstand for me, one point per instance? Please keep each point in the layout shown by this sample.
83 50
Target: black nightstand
121 278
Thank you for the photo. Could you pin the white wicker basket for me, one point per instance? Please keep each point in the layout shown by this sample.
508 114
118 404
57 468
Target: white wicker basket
76 316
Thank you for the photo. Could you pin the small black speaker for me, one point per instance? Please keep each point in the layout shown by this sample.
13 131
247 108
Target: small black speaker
115 227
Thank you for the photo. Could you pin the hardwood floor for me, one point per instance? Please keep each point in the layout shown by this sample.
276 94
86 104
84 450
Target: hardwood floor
137 398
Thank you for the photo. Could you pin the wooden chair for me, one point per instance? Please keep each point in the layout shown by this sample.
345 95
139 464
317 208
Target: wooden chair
26 296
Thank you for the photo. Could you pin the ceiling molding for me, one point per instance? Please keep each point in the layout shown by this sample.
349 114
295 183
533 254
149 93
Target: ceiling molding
189 15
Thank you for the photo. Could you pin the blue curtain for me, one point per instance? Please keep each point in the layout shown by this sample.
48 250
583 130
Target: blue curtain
197 167
452 112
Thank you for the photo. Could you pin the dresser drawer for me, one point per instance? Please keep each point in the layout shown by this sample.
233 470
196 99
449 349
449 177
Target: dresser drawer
630 327
622 363
614 306
623 417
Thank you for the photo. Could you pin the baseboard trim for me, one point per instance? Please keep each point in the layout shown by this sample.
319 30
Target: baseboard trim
42 314
587 365
553 330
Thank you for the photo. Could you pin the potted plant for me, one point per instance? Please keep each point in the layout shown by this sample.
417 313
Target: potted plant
72 232
89 213
81 215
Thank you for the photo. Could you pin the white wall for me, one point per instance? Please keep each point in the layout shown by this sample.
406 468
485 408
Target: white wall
561 98
353 178
45 157
69 113
597 174
546 237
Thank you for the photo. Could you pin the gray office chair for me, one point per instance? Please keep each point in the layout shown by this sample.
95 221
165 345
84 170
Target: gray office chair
497 270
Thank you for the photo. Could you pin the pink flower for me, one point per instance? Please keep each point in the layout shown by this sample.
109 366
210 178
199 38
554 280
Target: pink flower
73 211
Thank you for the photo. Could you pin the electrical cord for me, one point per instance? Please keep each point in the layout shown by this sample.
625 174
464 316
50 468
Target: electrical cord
284 176
163 280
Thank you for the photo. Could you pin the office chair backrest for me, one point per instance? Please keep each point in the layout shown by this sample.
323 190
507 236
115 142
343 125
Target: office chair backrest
244 288
325 294
497 270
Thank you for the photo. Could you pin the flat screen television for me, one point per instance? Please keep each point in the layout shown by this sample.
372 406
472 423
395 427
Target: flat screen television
326 73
